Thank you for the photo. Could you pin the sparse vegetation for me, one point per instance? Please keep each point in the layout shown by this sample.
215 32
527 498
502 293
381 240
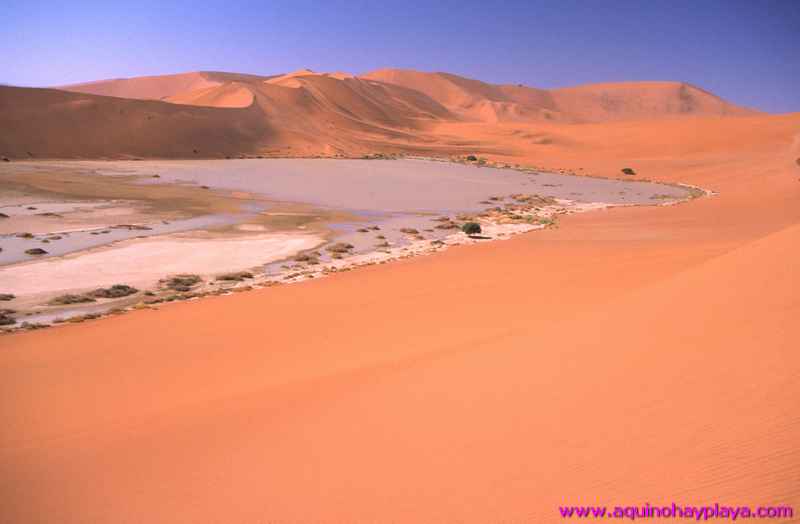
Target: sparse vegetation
237 276
115 291
628 171
182 282
409 231
5 297
65 300
471 228
472 158
340 247
35 251
306 257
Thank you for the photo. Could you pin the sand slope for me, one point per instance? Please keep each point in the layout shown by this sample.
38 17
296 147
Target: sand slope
629 356
49 123
486 102
160 86
296 115
310 114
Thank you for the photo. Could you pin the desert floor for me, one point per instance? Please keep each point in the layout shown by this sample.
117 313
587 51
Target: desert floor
631 356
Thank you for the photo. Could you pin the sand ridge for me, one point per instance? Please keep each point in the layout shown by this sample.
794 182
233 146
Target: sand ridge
305 113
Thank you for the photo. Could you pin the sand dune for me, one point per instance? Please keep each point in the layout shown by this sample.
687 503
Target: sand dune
161 86
632 355
232 94
295 115
47 123
305 113
485 102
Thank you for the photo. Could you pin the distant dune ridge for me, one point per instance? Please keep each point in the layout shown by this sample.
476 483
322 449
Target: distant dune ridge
306 113
476 100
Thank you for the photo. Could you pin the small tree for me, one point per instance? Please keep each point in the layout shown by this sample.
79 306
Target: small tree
471 228
628 171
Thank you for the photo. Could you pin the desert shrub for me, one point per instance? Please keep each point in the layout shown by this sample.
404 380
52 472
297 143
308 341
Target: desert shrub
471 228
115 291
237 276
6 320
472 158
24 235
7 296
340 247
64 300
182 282
36 251
362 230
409 231
628 171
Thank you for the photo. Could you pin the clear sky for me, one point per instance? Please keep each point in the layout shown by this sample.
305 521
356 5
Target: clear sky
745 51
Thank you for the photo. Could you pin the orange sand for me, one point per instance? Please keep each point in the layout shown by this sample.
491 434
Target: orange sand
629 356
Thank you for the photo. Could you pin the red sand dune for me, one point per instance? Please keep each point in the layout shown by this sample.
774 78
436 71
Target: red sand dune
296 115
161 86
630 356
485 102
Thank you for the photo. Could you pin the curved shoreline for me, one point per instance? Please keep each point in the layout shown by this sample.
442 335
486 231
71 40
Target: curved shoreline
497 230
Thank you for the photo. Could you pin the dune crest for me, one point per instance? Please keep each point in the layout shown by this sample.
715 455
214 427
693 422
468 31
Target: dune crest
307 113
481 101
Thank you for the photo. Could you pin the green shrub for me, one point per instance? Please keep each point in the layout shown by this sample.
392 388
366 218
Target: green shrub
471 228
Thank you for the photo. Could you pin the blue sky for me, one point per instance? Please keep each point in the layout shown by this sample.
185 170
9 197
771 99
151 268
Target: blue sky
746 52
